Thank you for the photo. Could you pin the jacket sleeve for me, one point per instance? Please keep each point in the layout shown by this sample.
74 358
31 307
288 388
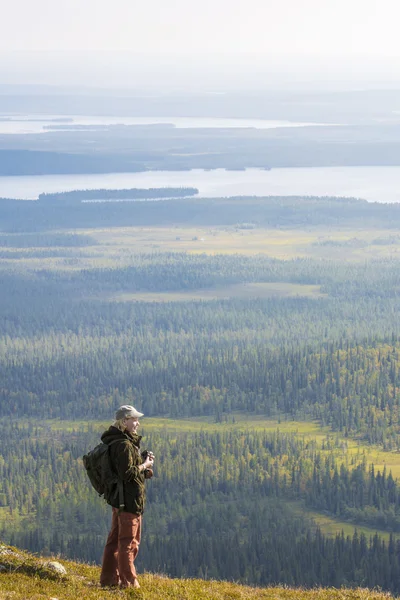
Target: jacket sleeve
127 462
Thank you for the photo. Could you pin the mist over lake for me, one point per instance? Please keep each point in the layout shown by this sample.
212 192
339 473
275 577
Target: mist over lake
375 184
22 124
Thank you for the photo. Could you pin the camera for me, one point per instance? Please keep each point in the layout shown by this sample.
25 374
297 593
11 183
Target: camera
146 453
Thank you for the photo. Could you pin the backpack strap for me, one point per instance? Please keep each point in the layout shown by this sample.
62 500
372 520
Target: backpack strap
120 485
121 495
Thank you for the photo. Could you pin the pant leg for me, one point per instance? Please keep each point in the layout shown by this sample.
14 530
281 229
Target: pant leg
130 526
109 570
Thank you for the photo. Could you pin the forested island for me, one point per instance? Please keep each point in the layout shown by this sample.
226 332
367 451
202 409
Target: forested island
138 148
77 196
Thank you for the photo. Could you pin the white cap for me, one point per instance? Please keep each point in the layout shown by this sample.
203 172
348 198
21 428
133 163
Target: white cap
126 411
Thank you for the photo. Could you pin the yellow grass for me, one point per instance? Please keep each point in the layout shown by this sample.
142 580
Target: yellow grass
26 577
117 246
243 290
330 526
280 243
236 420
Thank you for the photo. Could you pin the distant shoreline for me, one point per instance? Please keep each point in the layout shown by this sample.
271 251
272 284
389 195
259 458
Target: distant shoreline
373 184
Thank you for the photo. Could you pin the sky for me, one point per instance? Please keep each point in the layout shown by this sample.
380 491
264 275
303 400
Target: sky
211 43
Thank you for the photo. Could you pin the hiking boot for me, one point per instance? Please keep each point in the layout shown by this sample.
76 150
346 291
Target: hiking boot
135 584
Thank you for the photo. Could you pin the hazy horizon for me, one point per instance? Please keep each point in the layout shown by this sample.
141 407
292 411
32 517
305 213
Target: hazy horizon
221 45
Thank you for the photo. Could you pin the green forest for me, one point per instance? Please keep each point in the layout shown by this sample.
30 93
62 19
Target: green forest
238 491
215 506
64 211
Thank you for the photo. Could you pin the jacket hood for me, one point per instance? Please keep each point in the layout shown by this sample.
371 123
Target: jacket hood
113 433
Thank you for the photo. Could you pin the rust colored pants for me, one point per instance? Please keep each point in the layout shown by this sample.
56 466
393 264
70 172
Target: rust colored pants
121 549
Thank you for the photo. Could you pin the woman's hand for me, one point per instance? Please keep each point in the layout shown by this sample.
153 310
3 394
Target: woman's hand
149 461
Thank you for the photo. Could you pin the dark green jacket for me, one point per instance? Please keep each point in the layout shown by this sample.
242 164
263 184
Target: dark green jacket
126 458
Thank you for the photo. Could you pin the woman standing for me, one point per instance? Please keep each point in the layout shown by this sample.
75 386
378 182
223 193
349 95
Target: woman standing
133 468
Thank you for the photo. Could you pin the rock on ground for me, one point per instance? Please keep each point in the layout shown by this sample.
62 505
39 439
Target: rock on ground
56 567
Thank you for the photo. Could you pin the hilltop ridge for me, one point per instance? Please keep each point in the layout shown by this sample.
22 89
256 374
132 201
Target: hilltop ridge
26 576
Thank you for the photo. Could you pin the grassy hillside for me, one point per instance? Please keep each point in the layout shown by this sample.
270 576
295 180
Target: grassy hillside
24 576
